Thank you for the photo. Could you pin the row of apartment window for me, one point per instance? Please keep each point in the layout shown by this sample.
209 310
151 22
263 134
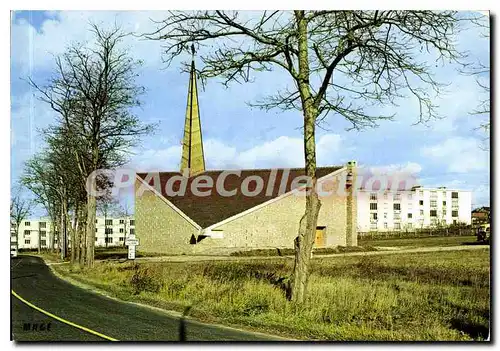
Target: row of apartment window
109 240
121 230
107 222
432 213
397 196
396 225
397 206
28 232
42 242
107 231
120 221
40 224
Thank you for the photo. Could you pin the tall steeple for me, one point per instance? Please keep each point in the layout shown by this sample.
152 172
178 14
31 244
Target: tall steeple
192 143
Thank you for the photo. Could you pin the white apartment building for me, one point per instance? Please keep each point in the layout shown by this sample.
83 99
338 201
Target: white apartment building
30 230
113 231
109 232
412 209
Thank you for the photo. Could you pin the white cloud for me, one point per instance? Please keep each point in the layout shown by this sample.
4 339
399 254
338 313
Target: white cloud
288 152
28 116
481 196
219 155
280 152
34 50
409 167
458 154
157 160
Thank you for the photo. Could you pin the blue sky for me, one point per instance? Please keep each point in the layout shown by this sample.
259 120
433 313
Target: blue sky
444 152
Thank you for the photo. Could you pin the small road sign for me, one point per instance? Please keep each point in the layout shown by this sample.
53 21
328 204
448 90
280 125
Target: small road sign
131 242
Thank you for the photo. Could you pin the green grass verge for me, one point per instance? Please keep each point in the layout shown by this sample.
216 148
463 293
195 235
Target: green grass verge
419 296
291 252
419 242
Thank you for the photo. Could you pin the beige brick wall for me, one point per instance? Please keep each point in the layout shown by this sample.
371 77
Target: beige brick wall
276 225
159 228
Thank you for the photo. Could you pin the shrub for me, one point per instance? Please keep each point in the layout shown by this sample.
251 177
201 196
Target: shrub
148 279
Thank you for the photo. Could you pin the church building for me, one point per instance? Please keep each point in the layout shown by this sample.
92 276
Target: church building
199 211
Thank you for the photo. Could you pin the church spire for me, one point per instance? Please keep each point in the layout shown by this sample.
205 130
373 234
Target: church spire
192 144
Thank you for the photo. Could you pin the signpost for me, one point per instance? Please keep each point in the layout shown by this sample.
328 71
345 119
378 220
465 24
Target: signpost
131 242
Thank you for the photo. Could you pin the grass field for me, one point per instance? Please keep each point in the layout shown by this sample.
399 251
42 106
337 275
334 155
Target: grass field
419 242
101 253
424 296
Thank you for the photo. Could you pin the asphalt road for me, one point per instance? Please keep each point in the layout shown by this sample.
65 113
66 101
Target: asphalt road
34 283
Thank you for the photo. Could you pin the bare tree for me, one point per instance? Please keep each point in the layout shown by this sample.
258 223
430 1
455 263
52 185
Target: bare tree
481 71
93 91
125 212
20 209
38 179
53 178
338 62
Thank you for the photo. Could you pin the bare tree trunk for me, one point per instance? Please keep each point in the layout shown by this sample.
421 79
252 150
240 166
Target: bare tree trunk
17 237
105 230
78 235
56 234
39 239
83 236
53 236
125 230
73 235
65 227
90 232
307 226
307 231
62 229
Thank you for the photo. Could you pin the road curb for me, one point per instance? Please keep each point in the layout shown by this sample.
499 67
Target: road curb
169 313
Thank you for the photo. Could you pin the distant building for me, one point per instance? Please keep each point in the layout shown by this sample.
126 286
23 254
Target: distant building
30 230
418 207
111 232
481 215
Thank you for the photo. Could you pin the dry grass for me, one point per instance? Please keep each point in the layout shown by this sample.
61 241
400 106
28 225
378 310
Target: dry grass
420 242
424 296
291 252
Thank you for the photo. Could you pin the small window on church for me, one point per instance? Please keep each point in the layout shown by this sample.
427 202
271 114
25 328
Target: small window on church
217 234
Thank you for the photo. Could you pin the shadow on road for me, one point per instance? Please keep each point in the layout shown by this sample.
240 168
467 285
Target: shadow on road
182 325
